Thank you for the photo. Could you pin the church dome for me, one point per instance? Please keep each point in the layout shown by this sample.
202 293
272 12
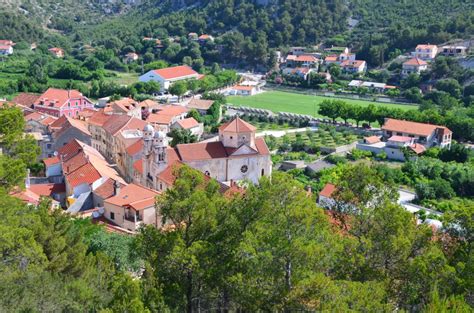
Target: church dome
148 128
160 134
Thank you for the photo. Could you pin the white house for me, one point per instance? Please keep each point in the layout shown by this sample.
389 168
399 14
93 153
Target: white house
6 50
414 66
425 52
169 75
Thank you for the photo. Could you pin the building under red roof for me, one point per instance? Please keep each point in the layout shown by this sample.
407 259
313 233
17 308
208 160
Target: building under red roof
415 62
176 72
237 125
134 196
328 190
188 123
408 127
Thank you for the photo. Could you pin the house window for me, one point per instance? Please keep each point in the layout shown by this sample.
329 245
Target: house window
263 172
161 186
244 169
207 173
399 134
112 215
231 137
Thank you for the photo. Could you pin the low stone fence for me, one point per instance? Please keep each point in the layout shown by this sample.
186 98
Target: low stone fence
339 149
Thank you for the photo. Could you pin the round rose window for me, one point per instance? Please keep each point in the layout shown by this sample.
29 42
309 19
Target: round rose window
244 169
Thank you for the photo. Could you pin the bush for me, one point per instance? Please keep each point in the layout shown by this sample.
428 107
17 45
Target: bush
357 154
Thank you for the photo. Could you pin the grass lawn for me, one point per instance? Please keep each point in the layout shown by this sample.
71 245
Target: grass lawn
280 101
123 78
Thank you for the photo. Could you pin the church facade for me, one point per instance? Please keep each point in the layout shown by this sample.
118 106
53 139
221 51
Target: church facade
237 156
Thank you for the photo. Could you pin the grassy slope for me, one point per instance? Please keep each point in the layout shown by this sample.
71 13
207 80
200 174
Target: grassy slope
279 101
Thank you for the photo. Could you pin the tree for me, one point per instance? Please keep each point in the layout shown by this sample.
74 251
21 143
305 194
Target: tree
181 136
182 257
450 86
457 152
330 109
178 88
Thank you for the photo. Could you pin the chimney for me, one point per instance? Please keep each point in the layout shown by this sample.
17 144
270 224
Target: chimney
116 188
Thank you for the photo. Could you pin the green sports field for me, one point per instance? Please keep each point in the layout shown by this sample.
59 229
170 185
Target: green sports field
280 101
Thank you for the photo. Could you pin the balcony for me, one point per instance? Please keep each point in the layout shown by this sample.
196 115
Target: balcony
133 218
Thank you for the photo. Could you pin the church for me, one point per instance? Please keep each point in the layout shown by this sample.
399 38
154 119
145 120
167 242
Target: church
238 155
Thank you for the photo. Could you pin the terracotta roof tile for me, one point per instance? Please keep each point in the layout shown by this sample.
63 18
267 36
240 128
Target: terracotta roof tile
201 151
176 72
372 139
237 125
58 97
159 119
352 64
47 190
328 190
407 127
188 123
135 148
400 139
85 174
138 166
200 104
415 62
417 148
115 123
26 99
99 118
134 196
51 161
106 190
59 123
69 150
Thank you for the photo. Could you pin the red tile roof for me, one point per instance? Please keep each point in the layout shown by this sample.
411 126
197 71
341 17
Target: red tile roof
26 99
243 88
417 148
47 190
148 104
57 97
159 119
135 148
99 118
237 125
201 151
106 190
134 196
115 123
306 58
200 104
59 123
352 64
75 162
51 161
426 46
331 58
407 127
172 110
328 190
176 72
6 42
415 62
188 123
372 139
85 174
48 120
213 150
138 166
69 150
400 139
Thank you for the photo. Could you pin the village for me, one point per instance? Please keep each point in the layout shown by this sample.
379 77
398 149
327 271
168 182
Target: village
108 159
236 156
